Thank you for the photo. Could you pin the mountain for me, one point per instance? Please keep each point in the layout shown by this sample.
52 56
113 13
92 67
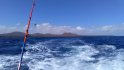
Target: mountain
43 35
69 35
21 34
13 34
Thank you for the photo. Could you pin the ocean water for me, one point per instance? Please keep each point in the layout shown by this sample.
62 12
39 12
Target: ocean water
73 53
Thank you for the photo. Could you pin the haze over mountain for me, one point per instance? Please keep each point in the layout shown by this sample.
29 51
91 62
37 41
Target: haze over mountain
21 34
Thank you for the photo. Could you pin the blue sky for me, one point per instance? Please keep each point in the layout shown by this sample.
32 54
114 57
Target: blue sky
94 16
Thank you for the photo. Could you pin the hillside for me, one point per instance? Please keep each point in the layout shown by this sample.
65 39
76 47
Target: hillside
21 34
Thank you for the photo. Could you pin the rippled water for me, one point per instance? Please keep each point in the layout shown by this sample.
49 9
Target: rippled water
81 53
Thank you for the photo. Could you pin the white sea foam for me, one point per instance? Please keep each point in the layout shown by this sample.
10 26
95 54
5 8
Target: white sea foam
7 62
81 60
39 57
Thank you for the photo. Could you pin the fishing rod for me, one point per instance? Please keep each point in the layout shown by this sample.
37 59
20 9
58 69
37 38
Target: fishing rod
26 35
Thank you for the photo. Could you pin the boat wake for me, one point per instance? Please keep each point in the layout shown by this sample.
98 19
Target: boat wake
66 55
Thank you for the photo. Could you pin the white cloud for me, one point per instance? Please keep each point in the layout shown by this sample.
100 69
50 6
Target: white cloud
79 28
52 29
114 28
107 28
117 29
8 29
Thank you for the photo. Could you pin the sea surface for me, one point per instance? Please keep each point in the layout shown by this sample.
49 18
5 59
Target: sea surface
69 53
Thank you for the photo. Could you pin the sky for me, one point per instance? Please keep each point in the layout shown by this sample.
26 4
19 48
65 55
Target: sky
84 17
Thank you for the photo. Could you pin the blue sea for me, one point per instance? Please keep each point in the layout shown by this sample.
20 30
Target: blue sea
67 53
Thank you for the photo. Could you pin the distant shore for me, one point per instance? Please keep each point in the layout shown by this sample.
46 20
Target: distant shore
21 34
